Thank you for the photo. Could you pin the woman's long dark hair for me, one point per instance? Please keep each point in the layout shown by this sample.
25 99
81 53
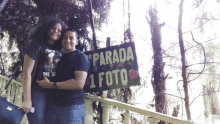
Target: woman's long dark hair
41 34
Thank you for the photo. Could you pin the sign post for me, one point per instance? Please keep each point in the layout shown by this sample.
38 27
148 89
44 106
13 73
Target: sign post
112 67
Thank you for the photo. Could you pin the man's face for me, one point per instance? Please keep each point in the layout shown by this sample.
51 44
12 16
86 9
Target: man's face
69 41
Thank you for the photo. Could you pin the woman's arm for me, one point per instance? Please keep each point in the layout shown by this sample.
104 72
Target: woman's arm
26 79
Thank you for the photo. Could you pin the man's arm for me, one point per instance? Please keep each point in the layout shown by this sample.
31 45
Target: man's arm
71 84
82 67
74 84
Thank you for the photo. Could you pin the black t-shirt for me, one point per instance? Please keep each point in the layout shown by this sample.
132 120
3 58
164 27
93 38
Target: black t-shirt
69 63
47 62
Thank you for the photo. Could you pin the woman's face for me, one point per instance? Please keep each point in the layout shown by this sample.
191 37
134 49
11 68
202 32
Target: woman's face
55 32
69 41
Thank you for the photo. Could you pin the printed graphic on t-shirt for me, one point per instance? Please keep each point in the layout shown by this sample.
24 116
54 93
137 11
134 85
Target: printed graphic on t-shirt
52 58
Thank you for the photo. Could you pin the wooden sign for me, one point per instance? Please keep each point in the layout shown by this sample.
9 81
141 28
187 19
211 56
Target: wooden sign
112 67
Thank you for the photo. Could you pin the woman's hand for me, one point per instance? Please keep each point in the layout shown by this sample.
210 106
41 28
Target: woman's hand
26 106
45 83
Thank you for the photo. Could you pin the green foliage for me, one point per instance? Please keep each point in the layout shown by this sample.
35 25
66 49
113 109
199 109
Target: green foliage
8 56
20 19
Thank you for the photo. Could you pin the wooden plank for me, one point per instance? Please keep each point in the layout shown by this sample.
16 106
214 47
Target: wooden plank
12 96
13 81
2 88
17 97
20 96
1 83
139 110
8 96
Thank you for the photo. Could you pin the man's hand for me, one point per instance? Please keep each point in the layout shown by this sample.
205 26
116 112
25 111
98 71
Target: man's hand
26 106
45 83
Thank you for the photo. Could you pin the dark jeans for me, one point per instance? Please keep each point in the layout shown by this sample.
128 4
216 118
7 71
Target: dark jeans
71 114
39 102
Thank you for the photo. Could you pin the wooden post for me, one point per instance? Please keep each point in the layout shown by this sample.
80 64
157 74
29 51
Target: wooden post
127 117
152 120
1 84
17 96
105 107
88 111
95 48
8 96
129 21
108 42
12 98
105 113
3 91
104 93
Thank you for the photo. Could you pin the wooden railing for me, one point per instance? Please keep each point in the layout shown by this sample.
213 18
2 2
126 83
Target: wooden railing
14 95
152 117
14 91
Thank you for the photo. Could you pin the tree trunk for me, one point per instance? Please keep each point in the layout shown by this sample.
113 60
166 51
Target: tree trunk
182 51
158 74
92 25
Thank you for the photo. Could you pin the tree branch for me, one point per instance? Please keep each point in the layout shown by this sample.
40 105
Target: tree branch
208 19
198 3
2 5
202 63
180 94
206 70
196 27
174 66
202 43
204 59
174 95
202 94
17 20
169 48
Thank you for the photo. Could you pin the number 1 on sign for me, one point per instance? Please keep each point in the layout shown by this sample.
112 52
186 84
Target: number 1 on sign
92 81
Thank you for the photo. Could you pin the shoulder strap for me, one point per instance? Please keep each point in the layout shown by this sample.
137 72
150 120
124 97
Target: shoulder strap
9 82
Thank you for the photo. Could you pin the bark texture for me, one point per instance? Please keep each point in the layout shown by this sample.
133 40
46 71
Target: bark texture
183 59
158 81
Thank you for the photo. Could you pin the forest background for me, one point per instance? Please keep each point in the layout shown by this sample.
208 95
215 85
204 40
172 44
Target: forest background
177 45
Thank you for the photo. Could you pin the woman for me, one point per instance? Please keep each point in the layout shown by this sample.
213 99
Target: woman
45 47
68 103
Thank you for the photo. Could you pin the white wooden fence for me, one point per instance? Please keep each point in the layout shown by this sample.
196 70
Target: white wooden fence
153 117
14 92
14 95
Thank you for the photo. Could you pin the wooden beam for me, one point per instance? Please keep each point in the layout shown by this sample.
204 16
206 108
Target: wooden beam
139 110
13 81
